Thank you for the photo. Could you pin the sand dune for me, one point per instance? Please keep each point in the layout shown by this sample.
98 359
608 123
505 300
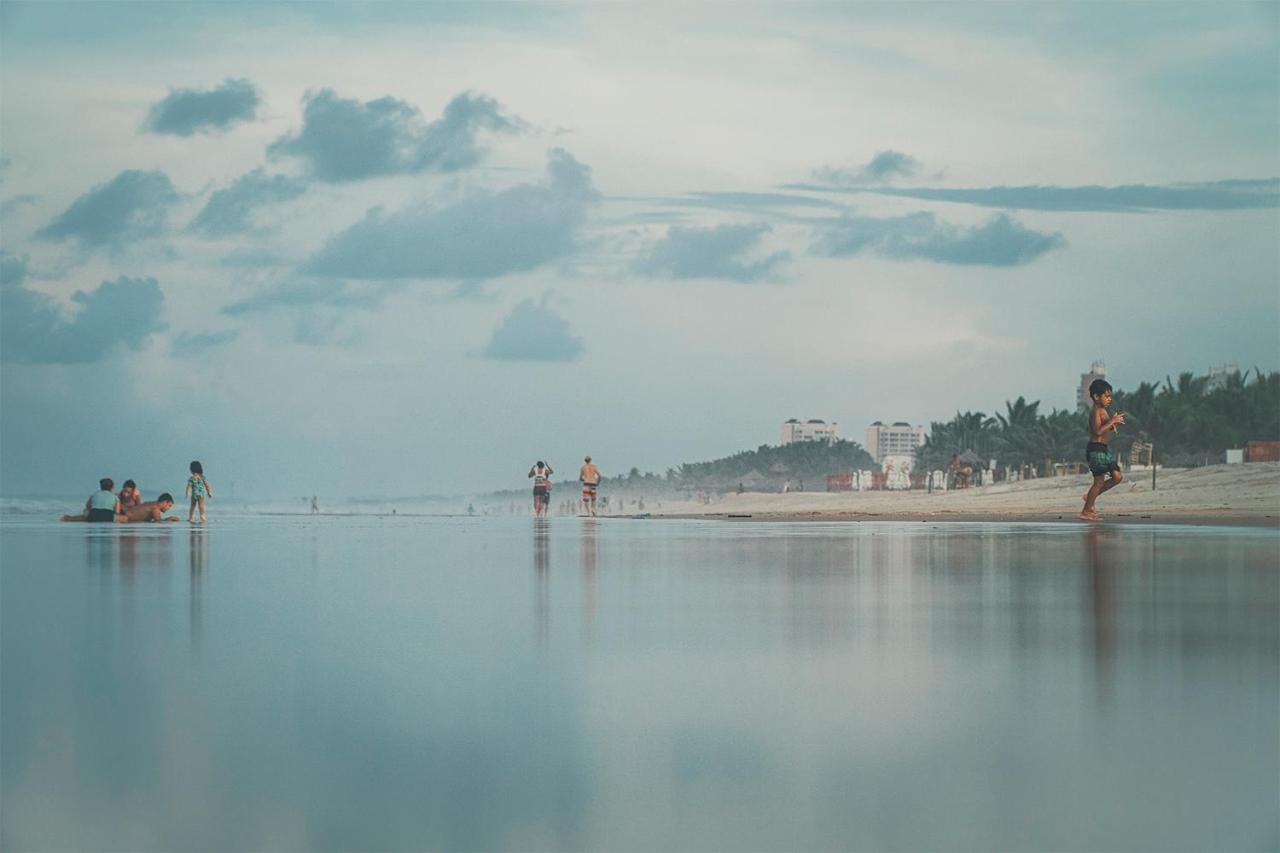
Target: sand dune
1216 494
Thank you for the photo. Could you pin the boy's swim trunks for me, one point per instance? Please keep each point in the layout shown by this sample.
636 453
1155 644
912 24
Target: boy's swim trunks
100 515
589 490
1101 461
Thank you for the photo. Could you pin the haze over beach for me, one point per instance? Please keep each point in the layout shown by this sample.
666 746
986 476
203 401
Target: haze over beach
410 248
804 280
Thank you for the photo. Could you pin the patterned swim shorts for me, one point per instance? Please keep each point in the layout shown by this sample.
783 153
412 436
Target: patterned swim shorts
1100 458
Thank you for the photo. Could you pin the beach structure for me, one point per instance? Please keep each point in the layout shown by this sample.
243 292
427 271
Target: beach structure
794 431
897 439
1097 370
1218 376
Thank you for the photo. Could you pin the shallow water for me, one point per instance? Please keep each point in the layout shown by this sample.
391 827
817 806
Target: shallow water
395 683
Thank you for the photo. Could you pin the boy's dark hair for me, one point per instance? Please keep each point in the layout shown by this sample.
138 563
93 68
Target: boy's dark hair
197 468
1098 387
129 484
106 484
164 497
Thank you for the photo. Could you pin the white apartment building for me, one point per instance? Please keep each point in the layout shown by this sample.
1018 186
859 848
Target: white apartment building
1084 402
899 439
813 430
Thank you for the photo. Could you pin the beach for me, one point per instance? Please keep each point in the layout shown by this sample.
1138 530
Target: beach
1234 495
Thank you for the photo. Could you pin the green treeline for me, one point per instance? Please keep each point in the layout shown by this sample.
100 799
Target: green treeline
766 467
1188 422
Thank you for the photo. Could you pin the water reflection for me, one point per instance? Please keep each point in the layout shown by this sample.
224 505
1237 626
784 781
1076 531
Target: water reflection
397 686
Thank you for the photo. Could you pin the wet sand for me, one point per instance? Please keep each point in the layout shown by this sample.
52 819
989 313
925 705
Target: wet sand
1233 495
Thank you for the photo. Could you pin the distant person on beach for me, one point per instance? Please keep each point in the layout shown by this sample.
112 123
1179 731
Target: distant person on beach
590 477
1102 462
151 510
315 504
129 495
198 489
102 505
541 473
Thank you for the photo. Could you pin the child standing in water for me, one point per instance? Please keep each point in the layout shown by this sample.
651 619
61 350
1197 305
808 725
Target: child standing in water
198 489
1102 462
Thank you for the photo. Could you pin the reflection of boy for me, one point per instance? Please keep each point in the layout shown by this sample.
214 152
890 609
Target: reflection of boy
1102 462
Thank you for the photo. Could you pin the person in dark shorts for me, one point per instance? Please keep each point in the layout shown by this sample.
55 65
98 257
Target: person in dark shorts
541 473
102 506
1102 462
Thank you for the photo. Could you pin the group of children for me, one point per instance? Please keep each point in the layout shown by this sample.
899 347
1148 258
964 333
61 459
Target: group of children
127 506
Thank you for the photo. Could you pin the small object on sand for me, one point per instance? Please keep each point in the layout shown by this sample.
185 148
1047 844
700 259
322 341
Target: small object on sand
739 515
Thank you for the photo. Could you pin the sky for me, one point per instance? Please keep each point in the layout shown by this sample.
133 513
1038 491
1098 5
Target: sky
406 249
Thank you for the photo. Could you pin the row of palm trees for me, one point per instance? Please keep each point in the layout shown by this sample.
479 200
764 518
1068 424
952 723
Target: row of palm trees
1188 421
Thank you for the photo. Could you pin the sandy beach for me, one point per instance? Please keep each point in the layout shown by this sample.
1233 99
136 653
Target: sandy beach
1238 495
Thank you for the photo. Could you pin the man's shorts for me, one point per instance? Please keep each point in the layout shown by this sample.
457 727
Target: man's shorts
100 515
1102 461
589 491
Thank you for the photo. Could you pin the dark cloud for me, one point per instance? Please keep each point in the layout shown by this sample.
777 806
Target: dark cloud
186 111
130 206
884 167
228 210
998 242
33 330
533 332
710 253
485 235
1250 194
345 140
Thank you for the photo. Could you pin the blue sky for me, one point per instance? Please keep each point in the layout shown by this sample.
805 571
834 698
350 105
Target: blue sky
408 248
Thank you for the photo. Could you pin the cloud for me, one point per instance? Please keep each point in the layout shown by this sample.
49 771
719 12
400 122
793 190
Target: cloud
12 204
346 140
710 253
1246 194
533 332
884 167
184 112
33 330
304 293
483 236
190 344
228 210
130 206
998 242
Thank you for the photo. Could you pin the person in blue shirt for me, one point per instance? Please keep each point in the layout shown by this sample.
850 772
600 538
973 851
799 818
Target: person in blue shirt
102 506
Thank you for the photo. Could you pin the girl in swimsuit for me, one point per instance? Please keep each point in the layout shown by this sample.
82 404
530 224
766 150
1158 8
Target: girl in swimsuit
541 474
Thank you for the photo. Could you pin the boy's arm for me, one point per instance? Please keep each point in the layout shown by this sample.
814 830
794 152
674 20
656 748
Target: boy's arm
208 488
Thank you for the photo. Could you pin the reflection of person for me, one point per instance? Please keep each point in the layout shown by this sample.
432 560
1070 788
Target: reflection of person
1102 463
151 510
102 505
198 489
541 474
590 477
129 495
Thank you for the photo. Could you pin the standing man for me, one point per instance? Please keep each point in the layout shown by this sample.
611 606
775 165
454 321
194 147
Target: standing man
590 477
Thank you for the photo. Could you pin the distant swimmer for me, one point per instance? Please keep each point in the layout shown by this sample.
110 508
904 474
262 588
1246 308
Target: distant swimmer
198 489
541 473
102 505
590 477
1102 462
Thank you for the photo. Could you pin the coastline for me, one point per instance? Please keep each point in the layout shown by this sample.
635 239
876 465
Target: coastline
1230 495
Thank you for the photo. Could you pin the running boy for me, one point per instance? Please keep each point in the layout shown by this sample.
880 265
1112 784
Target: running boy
1102 463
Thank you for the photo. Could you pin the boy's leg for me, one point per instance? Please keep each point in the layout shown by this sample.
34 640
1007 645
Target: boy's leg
1112 482
1092 495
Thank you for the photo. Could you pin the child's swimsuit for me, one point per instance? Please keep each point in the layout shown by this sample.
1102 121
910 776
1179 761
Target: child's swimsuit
1101 461
199 489
102 507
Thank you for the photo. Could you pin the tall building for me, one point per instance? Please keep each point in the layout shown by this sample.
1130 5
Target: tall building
1084 402
1218 376
812 430
900 439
